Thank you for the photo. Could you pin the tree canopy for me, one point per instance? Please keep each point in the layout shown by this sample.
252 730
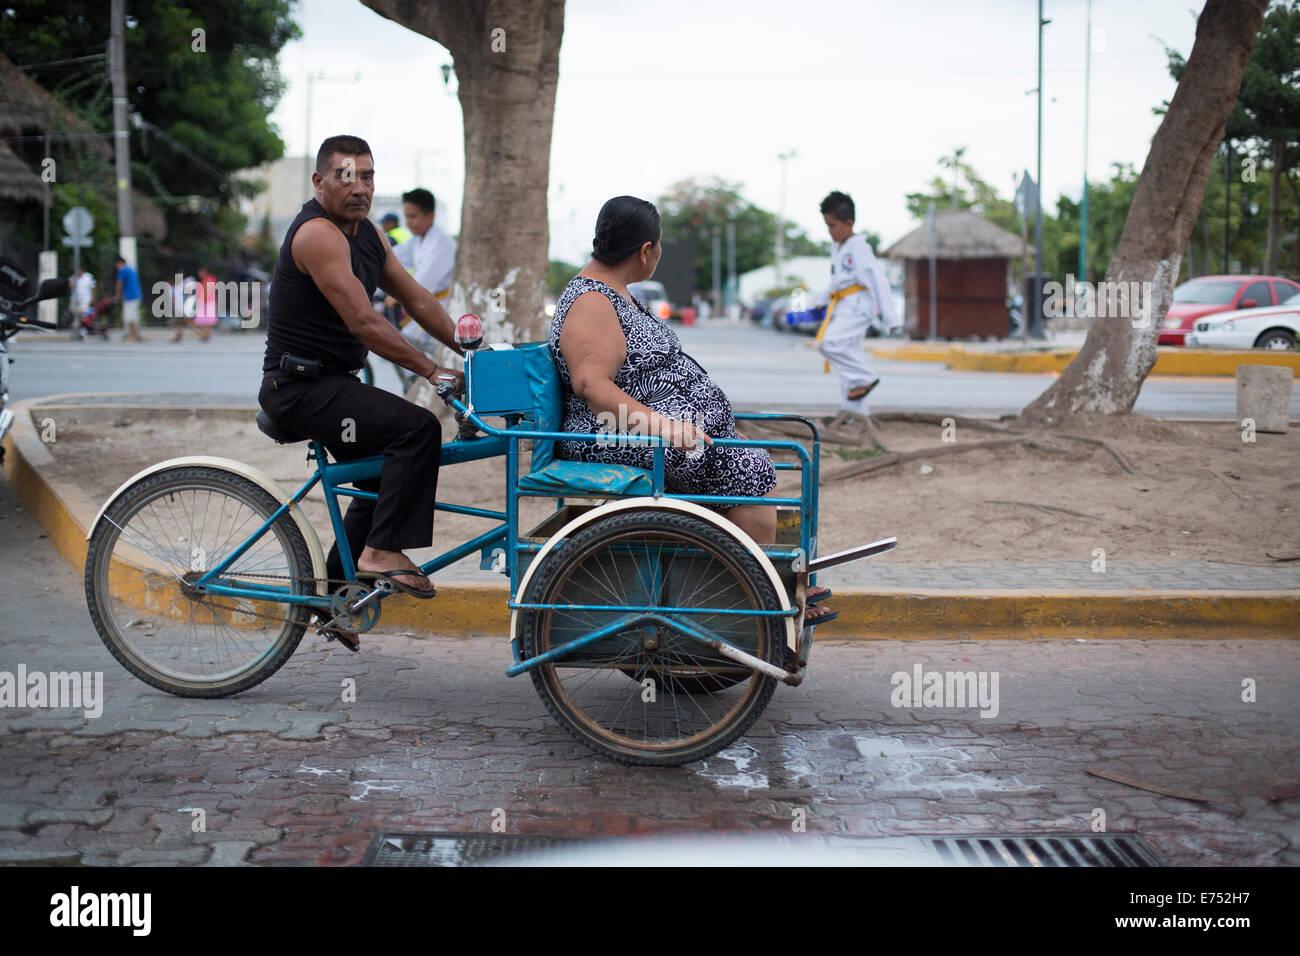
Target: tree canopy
694 209
202 72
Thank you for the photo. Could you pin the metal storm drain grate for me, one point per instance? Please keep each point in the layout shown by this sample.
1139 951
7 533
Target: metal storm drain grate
456 849
1045 849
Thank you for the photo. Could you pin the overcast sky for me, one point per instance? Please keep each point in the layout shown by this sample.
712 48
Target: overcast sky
868 94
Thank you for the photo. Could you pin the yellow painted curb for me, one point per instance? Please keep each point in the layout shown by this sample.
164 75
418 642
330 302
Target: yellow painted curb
880 614
943 615
917 352
25 454
1170 360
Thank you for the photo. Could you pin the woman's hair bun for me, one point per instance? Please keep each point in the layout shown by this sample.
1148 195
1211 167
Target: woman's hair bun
624 225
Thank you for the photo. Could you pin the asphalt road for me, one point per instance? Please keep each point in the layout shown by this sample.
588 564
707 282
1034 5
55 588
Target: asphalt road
758 368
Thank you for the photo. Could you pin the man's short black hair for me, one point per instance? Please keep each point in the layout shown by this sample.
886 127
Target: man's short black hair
347 145
839 205
120 259
422 199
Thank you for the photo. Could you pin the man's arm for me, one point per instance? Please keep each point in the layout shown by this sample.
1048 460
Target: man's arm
422 304
321 251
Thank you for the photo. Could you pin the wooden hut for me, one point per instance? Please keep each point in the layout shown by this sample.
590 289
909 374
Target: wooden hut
972 257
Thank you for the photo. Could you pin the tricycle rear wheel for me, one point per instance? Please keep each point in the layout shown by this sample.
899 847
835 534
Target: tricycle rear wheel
687 702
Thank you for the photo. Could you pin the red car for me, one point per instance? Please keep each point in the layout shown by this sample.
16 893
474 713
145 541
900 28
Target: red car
1209 294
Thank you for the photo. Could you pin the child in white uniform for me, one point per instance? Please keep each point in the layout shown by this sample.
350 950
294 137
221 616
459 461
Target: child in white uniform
859 290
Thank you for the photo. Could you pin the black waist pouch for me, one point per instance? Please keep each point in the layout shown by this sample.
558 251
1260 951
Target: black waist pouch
302 367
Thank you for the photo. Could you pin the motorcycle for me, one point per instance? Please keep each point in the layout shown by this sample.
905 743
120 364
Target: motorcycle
16 294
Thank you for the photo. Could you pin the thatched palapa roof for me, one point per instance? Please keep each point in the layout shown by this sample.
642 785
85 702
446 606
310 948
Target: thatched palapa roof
958 235
28 109
17 182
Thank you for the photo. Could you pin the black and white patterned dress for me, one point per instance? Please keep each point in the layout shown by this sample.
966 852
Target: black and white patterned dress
661 376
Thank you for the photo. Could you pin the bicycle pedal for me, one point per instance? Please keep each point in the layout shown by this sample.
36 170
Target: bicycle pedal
349 639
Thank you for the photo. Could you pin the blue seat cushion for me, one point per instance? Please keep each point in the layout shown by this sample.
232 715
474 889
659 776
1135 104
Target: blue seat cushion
576 479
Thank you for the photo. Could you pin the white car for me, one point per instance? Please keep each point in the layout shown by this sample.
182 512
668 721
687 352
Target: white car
1272 327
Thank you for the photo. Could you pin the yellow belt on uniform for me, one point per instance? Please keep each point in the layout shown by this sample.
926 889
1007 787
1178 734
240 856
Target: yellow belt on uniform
406 318
835 298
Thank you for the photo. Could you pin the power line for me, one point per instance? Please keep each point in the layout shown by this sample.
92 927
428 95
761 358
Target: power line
75 59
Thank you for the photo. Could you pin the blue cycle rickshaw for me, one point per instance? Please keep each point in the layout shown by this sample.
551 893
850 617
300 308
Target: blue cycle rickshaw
652 627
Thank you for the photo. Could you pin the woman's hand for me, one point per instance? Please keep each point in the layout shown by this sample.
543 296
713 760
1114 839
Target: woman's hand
682 435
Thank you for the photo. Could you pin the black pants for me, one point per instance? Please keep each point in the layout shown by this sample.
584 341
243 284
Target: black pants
353 420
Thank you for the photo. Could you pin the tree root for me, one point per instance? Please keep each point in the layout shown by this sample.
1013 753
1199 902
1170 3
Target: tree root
897 458
1030 504
1101 444
927 418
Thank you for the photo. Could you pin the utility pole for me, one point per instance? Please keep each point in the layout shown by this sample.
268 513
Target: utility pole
1034 312
121 141
45 200
1227 203
780 218
1083 208
731 297
717 268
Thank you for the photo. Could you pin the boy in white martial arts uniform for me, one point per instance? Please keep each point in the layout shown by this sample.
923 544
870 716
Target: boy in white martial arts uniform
858 291
428 255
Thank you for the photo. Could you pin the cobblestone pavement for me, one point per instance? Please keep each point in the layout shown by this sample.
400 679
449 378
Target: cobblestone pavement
438 739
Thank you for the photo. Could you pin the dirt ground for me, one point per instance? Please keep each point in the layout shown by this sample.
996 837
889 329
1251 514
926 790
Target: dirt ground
1197 492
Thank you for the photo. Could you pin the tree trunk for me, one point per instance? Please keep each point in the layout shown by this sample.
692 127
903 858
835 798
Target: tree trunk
1277 153
507 59
1107 374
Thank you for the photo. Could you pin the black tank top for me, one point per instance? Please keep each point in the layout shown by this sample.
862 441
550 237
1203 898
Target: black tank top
300 319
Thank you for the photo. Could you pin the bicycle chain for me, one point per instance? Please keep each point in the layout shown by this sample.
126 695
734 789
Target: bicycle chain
207 601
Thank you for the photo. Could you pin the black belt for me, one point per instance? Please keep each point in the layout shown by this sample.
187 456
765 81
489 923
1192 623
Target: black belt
300 367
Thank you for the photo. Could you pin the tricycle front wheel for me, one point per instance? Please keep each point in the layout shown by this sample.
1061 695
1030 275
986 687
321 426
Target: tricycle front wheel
685 701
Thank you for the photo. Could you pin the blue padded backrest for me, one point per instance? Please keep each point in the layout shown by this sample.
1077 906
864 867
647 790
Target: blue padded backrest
520 381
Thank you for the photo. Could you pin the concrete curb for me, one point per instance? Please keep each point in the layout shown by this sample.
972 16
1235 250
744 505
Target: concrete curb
465 609
1220 363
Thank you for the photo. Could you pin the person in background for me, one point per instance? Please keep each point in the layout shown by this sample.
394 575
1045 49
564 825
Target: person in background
396 233
184 305
859 289
429 255
83 295
127 292
205 313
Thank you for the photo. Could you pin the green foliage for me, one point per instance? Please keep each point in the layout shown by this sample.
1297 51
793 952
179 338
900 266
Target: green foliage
216 102
974 195
693 209
212 104
1108 205
558 274
1264 128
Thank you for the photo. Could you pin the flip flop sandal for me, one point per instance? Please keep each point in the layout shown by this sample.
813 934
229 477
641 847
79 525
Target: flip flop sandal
857 398
391 578
823 619
822 594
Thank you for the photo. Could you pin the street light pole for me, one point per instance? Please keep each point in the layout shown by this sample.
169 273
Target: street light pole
1083 209
731 296
1034 315
121 138
780 219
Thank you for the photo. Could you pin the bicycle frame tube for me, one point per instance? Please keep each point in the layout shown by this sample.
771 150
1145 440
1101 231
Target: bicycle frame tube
331 478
